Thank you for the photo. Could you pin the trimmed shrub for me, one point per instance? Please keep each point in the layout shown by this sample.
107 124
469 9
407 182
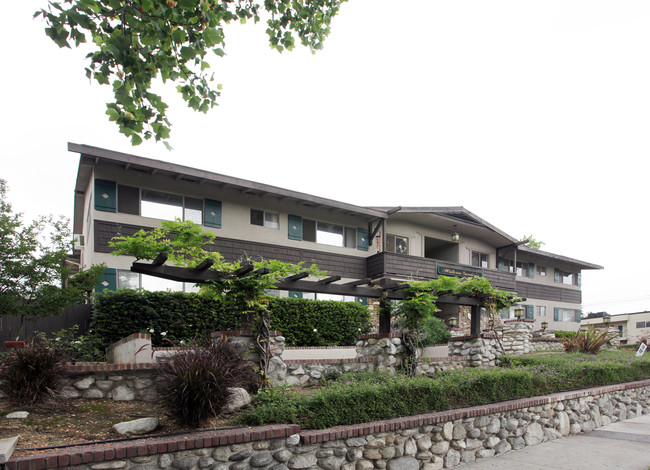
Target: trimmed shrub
31 373
362 397
434 331
182 316
306 322
564 334
353 398
189 316
195 383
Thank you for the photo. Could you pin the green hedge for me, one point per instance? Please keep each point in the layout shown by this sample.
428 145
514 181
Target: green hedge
564 334
363 397
187 316
319 322
182 316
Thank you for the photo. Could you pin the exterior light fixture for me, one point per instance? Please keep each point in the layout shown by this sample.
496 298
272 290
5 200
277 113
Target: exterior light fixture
455 237
544 325
607 319
491 323
453 321
519 313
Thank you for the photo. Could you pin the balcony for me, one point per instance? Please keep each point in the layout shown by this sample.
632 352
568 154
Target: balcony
405 266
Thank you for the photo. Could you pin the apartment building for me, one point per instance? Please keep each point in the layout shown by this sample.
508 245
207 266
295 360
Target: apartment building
632 327
118 194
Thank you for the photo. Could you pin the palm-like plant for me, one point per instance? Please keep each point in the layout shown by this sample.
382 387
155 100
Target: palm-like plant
588 341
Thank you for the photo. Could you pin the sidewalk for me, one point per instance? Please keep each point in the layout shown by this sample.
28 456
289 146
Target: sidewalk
622 445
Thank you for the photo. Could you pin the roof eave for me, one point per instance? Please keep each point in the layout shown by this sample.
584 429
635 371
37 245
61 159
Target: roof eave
128 159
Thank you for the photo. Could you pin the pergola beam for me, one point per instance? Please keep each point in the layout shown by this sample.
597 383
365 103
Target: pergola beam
296 277
329 280
205 264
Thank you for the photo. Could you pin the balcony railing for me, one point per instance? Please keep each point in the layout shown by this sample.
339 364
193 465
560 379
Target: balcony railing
406 266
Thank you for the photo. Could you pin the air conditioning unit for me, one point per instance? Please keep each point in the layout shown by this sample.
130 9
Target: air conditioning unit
79 241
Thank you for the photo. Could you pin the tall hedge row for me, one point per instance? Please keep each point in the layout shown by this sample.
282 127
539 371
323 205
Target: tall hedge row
319 322
176 316
180 315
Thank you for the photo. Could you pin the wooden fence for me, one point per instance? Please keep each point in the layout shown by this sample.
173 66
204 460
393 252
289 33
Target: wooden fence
74 315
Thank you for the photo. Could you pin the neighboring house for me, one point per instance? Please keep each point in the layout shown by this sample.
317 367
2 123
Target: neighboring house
632 327
117 193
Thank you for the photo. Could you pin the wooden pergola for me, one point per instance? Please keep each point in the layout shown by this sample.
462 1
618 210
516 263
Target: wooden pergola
385 288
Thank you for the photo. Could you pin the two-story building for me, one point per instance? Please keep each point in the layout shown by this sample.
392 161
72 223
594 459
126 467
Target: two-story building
118 193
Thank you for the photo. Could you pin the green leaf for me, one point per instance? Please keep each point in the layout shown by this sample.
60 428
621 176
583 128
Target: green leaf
113 114
187 53
212 37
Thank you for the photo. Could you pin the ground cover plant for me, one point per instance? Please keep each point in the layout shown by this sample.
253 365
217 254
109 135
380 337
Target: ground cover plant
362 397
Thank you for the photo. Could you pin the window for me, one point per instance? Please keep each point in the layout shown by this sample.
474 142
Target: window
265 218
193 210
329 234
541 311
522 269
643 324
165 206
127 280
321 296
397 244
479 259
541 271
131 280
506 265
566 314
566 277
509 313
161 205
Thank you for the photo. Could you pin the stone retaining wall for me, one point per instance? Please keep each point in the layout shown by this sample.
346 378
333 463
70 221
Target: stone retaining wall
516 335
423 442
544 344
483 350
111 383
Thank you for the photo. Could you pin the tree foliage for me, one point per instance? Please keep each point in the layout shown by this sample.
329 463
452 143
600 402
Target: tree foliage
135 42
187 244
35 279
531 242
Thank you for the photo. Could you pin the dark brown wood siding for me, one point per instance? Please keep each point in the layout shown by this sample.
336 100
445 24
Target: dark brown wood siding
545 292
406 266
232 250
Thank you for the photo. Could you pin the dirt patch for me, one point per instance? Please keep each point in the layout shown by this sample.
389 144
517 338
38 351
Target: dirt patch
57 423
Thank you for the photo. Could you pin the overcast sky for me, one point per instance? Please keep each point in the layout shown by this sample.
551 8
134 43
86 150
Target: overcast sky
534 115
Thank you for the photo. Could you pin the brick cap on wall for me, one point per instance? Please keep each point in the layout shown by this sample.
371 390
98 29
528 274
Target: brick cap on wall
380 336
142 447
245 333
90 454
468 337
345 432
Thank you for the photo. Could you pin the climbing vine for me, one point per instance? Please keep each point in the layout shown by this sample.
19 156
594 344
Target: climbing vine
420 304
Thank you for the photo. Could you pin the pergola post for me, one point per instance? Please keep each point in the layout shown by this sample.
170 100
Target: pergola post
384 317
475 320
